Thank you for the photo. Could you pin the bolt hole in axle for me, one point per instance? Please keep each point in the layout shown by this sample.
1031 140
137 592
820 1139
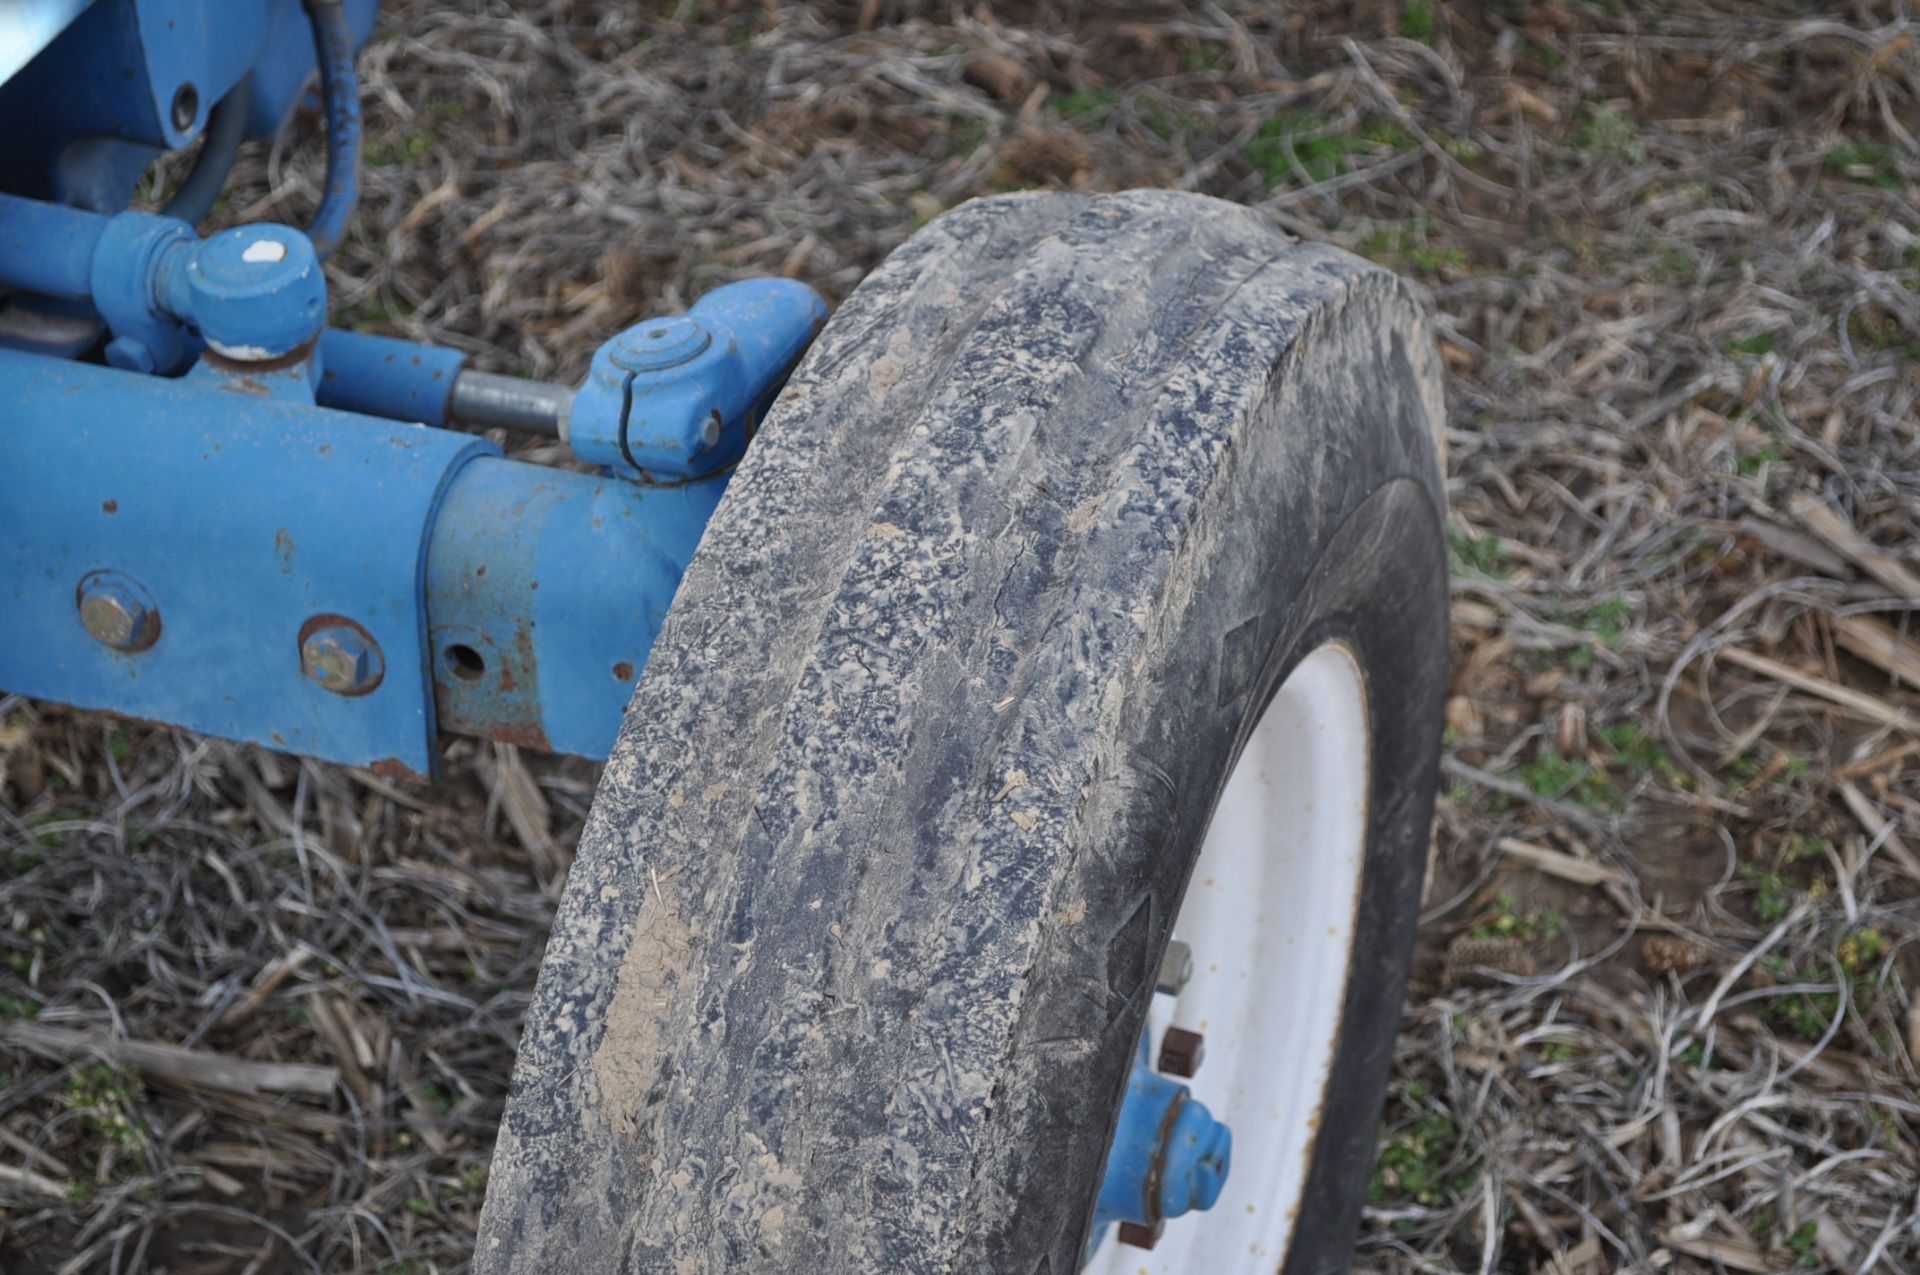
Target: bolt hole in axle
465 663
186 106
1269 919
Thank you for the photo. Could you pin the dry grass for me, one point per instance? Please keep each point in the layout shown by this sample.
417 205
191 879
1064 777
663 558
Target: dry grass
1663 1016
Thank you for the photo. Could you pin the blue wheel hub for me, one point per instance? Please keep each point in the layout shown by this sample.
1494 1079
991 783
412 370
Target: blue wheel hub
1169 1155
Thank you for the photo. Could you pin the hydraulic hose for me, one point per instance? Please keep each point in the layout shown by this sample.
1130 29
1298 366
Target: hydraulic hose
226 126
340 93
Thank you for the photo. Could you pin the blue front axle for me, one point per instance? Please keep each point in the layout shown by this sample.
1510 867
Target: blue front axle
326 581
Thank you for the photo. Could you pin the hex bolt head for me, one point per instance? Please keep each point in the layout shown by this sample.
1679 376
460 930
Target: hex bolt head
1176 969
1181 1052
342 659
1139 1236
116 612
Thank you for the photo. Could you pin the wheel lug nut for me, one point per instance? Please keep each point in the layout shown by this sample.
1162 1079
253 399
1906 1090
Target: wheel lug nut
1181 1052
1176 969
1142 1236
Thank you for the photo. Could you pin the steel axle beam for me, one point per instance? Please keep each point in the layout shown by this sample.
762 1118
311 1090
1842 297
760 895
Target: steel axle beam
230 552
225 531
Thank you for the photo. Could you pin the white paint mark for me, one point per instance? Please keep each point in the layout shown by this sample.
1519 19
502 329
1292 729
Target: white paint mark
242 353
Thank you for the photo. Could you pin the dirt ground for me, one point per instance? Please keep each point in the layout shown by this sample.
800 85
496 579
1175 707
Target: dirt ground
1664 1014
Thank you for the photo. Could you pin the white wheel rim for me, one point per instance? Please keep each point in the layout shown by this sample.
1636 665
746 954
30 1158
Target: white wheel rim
1270 916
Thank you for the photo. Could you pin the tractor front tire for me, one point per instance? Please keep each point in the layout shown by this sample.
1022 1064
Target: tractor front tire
864 928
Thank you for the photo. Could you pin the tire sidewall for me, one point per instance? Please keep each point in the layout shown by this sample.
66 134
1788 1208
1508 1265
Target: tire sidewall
1325 527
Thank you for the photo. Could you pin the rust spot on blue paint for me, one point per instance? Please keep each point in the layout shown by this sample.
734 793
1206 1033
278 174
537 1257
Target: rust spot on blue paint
394 768
524 735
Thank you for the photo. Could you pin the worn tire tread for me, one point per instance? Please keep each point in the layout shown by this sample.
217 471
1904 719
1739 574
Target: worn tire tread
848 934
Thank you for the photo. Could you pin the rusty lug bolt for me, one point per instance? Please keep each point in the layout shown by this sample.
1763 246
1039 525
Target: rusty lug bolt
1176 969
1142 1236
117 612
342 659
1181 1052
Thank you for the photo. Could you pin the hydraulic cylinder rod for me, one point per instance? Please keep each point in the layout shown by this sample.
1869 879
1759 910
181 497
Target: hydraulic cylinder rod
483 400
146 274
407 381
